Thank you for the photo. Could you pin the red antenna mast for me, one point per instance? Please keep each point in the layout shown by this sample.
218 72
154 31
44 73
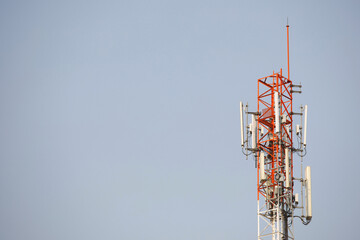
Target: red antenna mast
288 61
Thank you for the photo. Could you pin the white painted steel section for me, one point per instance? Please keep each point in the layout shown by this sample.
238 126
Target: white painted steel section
242 124
277 113
305 124
287 168
270 222
308 192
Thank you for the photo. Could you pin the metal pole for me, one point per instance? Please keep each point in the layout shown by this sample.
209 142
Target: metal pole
288 59
285 226
258 208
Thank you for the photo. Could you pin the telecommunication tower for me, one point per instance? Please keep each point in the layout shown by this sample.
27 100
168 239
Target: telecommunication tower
270 139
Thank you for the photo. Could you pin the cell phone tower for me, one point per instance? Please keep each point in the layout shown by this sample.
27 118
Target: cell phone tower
270 139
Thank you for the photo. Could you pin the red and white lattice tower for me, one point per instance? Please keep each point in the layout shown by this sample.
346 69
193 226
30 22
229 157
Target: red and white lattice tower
269 137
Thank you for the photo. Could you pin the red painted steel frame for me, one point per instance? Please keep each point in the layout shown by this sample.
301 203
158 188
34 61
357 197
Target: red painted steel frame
273 144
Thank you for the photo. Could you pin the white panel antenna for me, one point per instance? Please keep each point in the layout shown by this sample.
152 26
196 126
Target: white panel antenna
242 124
253 130
308 192
296 198
277 113
305 124
288 131
262 167
297 129
287 169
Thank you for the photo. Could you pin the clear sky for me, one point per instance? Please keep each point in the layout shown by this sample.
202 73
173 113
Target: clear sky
120 119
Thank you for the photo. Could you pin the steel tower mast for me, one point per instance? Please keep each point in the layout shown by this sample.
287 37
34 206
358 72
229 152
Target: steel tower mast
272 144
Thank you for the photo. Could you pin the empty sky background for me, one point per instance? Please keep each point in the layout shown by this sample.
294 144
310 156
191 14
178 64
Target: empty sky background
120 119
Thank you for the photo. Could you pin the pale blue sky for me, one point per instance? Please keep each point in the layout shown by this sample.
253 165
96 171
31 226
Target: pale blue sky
120 119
